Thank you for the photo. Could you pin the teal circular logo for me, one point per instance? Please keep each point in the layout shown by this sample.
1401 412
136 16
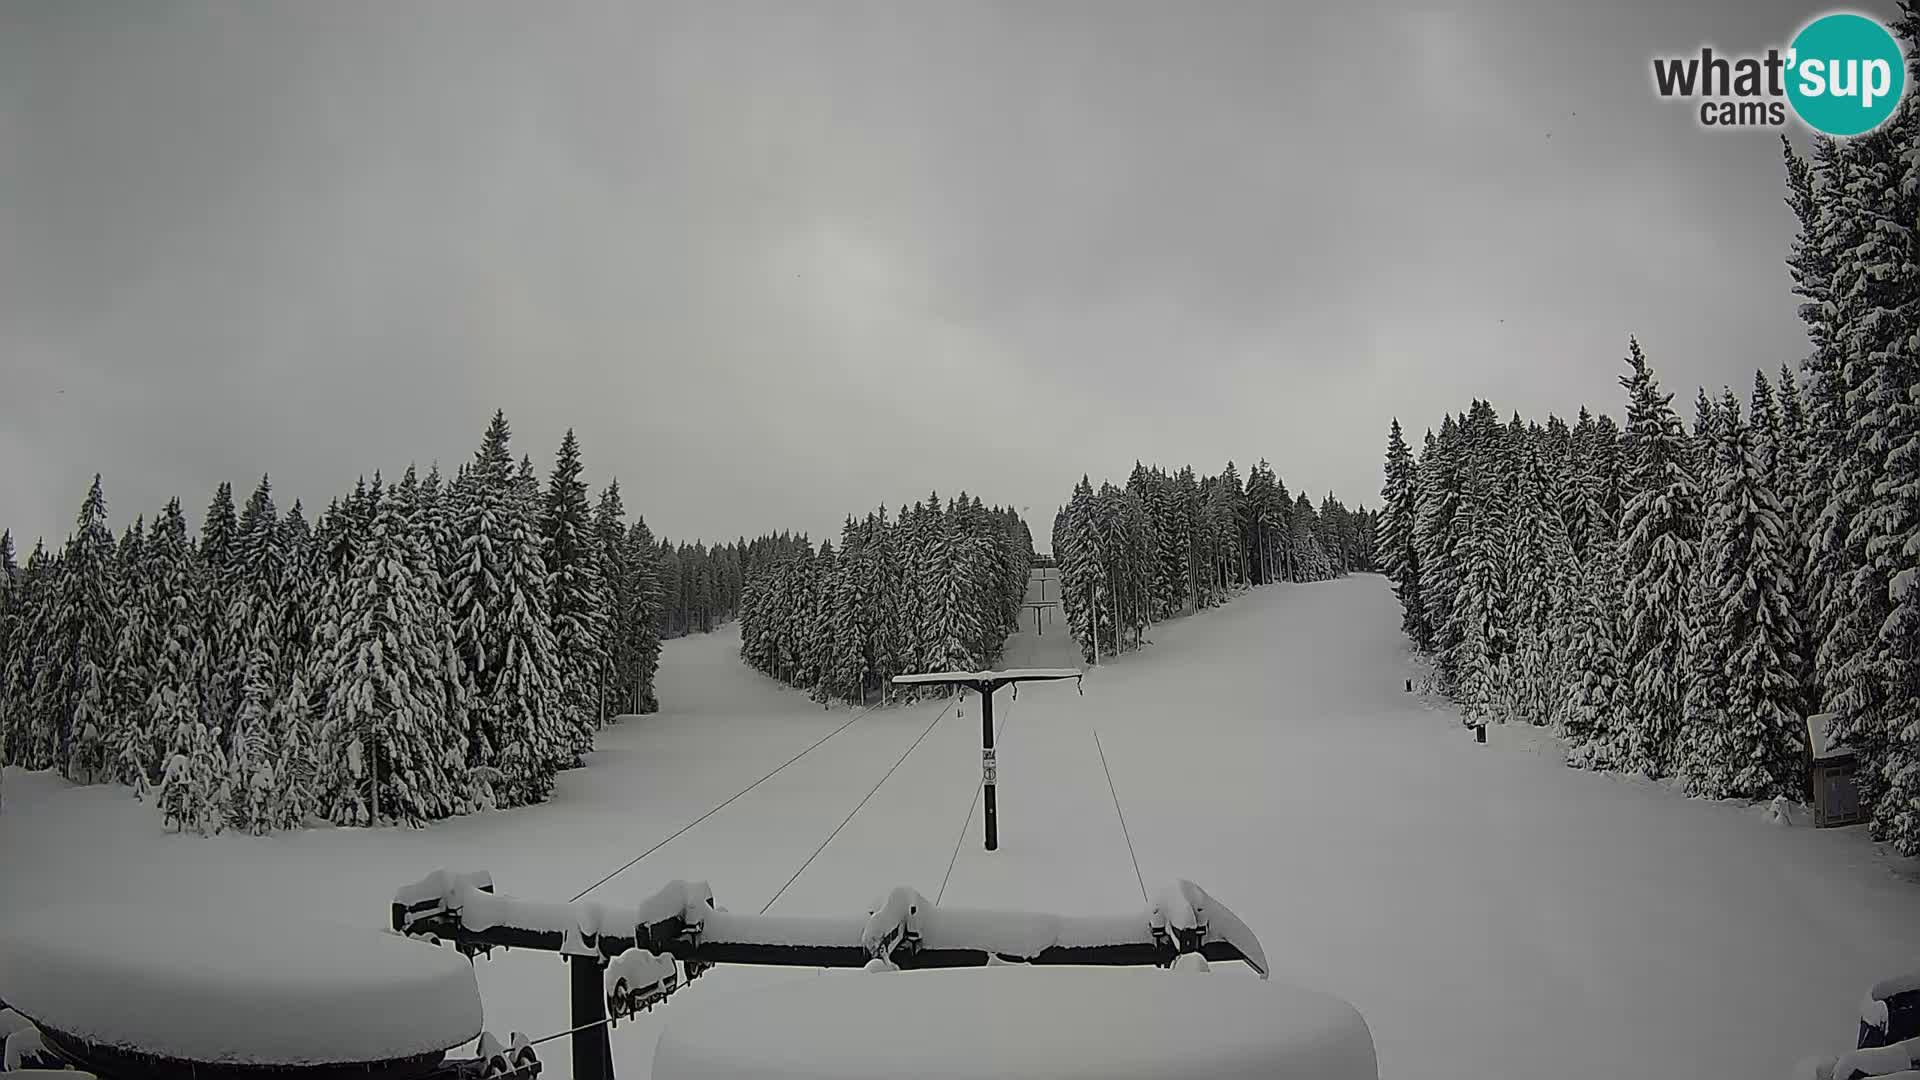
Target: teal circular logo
1845 74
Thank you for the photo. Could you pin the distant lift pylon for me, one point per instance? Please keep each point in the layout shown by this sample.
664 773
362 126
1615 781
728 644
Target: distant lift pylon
985 683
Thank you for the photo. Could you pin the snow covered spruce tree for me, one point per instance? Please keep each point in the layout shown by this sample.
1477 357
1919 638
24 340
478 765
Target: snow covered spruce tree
10 605
851 640
1757 748
1539 571
383 733
632 591
193 794
33 727
222 654
1437 503
1660 529
192 783
169 610
80 646
1704 686
1894 545
502 626
1399 508
1598 694
256 625
1877 310
130 759
649 605
578 605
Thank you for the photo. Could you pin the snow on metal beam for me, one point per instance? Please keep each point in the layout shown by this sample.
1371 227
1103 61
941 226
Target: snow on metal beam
680 920
1012 675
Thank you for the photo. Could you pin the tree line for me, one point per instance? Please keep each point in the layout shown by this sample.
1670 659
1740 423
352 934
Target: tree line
423 648
1167 544
936 589
1675 601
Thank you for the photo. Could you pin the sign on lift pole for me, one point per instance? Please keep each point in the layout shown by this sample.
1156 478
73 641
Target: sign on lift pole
985 683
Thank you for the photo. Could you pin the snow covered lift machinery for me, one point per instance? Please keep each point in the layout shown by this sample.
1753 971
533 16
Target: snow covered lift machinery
623 959
985 683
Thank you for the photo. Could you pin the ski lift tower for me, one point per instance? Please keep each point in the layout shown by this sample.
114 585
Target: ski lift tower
985 683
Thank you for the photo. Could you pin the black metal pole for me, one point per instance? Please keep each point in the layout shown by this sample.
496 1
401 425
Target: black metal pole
987 765
592 1049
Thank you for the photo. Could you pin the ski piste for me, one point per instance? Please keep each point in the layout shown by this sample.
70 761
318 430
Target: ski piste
623 960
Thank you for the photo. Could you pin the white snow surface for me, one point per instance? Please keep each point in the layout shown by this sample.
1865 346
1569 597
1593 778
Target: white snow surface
234 983
1018 1022
1491 913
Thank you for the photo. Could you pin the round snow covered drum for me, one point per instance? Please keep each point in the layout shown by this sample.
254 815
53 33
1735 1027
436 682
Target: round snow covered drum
1014 1022
129 990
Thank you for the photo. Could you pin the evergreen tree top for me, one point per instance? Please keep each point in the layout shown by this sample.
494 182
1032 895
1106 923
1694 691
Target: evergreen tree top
91 540
259 513
220 524
1726 419
172 524
494 461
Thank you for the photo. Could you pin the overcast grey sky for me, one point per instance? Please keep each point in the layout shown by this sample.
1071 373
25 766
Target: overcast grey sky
777 262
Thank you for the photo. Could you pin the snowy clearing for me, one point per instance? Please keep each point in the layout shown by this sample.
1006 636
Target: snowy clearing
1490 912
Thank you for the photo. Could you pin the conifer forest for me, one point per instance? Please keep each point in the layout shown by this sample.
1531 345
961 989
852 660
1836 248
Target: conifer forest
423 647
1676 598
1171 544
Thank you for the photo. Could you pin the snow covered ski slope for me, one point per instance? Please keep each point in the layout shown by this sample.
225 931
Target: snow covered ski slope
1491 913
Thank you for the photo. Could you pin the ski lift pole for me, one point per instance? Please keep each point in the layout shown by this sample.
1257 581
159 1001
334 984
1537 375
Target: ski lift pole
985 683
987 768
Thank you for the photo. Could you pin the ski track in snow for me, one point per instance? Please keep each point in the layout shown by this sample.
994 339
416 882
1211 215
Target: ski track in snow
1491 913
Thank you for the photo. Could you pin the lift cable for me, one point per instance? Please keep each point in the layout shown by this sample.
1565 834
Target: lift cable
1122 815
570 1031
863 802
689 825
